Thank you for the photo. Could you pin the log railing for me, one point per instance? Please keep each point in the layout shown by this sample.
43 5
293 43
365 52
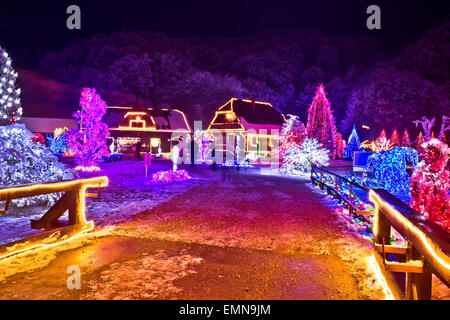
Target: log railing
72 199
427 246
426 251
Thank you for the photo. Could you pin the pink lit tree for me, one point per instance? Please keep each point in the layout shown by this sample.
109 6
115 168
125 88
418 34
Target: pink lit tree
395 140
430 183
321 124
89 141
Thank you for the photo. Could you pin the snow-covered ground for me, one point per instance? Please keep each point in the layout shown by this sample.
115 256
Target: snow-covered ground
253 209
126 195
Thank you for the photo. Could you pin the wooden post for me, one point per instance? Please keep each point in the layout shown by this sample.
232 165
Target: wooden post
50 218
147 162
383 227
76 211
418 285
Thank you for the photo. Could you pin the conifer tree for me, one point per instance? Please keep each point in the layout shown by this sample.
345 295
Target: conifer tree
321 124
10 109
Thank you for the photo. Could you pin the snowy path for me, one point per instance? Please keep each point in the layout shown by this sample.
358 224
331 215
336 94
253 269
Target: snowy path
227 234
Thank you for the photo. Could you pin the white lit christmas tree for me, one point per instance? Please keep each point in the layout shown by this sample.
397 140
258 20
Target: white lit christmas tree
23 162
10 109
298 159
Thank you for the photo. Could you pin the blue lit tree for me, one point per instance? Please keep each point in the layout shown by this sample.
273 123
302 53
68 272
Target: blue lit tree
389 168
353 144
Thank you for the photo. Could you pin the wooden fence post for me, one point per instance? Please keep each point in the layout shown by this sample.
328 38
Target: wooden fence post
418 285
76 210
383 227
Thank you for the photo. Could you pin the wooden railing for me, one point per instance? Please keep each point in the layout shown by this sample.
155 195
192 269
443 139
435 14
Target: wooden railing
322 178
72 199
427 245
426 251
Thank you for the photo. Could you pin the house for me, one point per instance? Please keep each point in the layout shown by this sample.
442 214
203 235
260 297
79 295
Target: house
155 129
250 125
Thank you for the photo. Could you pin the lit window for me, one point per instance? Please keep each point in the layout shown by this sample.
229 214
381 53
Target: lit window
155 142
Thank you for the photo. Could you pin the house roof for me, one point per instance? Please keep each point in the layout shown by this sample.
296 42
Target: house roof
156 119
257 112
248 114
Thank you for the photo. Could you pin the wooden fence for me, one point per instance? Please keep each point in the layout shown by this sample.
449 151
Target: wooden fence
427 245
72 200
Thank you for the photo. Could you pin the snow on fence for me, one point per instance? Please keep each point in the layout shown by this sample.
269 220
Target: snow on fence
427 244
426 251
73 200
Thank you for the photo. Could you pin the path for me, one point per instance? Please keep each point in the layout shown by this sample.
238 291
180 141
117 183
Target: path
233 235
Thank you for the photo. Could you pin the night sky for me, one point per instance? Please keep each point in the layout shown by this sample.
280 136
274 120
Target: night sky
29 29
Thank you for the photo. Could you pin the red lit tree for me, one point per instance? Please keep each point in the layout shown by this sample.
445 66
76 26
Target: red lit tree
321 124
89 142
395 140
382 134
430 183
339 146
406 141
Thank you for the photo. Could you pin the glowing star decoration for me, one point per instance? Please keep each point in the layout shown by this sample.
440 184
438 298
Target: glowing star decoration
10 108
430 183
89 142
389 168
353 144
321 124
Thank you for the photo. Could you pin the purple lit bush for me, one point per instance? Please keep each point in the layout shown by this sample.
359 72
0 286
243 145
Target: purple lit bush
170 176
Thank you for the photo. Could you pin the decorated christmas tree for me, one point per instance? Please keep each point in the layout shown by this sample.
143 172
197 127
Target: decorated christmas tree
321 124
353 144
293 133
23 161
382 134
89 142
339 146
406 141
389 168
10 109
298 159
395 140
430 183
